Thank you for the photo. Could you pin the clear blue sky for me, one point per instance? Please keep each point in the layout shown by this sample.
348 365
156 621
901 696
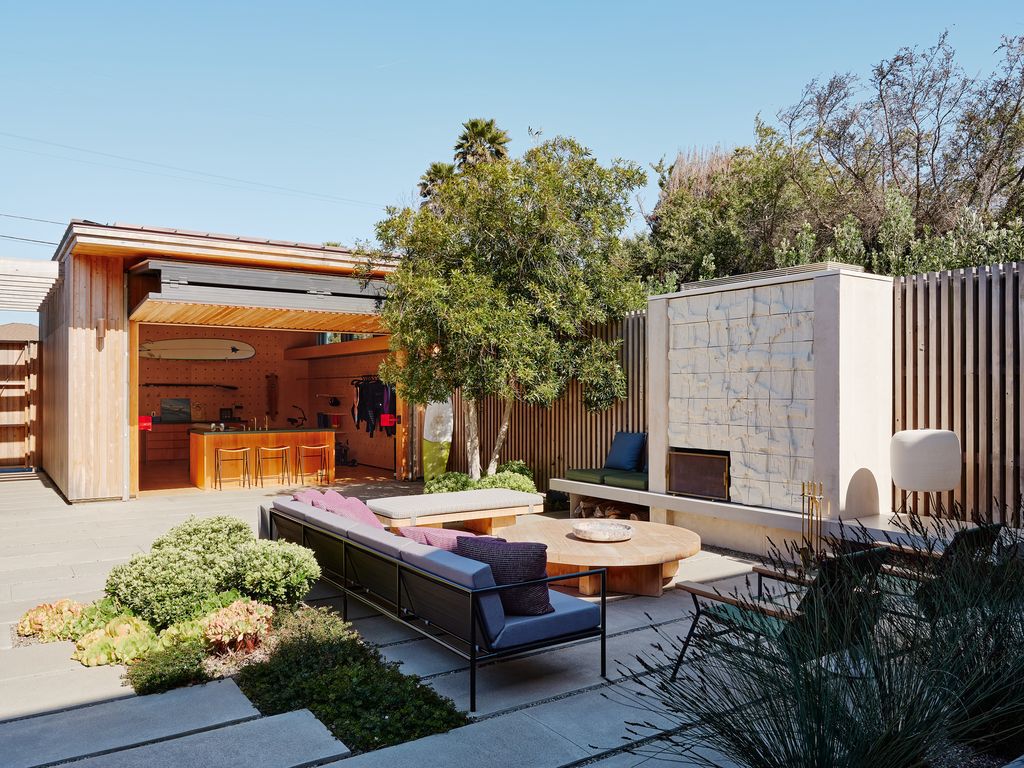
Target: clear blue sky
352 100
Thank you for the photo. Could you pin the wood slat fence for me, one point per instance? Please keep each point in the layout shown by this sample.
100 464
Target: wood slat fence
550 440
958 366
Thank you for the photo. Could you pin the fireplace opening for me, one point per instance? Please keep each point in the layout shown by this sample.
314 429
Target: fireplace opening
698 473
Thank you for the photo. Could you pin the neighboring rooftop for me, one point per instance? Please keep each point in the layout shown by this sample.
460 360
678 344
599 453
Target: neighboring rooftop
19 332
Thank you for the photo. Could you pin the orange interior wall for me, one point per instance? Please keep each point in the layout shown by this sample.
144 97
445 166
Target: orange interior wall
248 375
333 376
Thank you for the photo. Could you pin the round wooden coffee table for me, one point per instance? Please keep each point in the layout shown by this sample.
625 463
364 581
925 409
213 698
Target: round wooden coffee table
640 566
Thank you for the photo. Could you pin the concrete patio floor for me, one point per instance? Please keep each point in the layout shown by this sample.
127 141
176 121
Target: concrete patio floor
49 549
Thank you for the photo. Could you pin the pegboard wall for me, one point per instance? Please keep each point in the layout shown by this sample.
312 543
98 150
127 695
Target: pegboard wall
248 375
333 376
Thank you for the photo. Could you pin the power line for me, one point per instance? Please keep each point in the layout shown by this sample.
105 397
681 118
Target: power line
276 187
29 240
31 218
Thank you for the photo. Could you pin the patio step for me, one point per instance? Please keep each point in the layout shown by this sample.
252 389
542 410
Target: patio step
116 725
291 740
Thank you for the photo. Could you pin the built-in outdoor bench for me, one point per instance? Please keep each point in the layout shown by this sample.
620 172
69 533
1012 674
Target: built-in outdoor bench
447 598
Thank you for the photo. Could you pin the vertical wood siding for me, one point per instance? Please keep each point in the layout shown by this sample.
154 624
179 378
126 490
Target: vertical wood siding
19 427
564 435
958 366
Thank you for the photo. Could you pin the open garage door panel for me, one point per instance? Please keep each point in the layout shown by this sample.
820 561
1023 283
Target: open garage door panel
172 292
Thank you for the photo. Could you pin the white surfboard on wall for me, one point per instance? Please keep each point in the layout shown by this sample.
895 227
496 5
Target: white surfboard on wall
196 349
438 427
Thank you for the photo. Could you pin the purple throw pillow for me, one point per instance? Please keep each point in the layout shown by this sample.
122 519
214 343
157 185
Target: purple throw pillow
512 562
309 496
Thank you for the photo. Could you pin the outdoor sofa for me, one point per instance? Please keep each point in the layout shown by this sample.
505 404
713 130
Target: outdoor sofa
447 598
624 467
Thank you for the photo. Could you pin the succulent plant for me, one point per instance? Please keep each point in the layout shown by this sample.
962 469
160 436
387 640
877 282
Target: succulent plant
50 621
93 616
240 626
121 641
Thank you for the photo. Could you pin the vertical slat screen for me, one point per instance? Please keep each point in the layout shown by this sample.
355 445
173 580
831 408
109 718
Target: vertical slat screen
551 440
958 366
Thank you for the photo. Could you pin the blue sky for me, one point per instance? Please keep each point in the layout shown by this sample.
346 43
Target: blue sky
347 102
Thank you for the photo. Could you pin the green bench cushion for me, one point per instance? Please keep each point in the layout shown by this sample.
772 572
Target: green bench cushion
636 481
587 475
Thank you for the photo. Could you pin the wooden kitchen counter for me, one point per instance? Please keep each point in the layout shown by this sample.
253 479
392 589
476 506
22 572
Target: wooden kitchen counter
203 445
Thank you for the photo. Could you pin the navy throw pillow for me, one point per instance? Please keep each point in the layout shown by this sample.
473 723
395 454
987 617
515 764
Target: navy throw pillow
512 562
626 451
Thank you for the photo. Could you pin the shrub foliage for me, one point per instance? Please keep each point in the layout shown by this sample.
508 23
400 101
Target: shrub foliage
320 664
458 481
166 668
275 572
162 587
213 540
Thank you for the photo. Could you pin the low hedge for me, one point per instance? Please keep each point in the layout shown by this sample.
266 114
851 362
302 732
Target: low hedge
321 665
513 479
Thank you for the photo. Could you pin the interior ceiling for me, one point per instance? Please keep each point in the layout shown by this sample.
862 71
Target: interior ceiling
177 313
24 283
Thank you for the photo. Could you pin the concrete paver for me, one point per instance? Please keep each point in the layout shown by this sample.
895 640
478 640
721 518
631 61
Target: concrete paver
117 724
282 741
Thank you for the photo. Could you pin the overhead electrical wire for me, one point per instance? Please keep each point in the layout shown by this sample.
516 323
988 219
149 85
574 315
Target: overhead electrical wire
257 184
29 240
32 218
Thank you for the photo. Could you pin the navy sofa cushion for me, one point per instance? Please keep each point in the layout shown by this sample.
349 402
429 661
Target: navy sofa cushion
512 562
328 521
377 539
570 614
289 506
627 451
466 573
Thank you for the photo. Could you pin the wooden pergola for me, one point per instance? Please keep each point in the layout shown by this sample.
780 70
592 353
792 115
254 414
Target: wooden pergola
24 284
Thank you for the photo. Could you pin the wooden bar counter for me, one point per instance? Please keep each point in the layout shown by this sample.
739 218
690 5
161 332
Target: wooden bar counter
203 445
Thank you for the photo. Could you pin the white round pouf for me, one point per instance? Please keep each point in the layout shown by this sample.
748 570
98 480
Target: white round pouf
925 460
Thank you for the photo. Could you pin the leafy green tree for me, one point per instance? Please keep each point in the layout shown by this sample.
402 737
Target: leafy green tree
480 141
435 175
499 281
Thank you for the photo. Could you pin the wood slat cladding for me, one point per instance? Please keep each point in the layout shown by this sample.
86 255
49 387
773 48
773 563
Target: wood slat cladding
19 406
958 366
551 440
178 313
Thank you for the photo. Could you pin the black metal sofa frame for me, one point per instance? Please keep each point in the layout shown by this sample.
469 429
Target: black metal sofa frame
440 610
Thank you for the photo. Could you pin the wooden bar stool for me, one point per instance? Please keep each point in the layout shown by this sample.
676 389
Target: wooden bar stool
318 452
281 453
227 455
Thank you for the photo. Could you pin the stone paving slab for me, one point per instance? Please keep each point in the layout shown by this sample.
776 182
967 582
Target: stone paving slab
36 659
13 610
512 741
35 695
282 741
123 723
517 682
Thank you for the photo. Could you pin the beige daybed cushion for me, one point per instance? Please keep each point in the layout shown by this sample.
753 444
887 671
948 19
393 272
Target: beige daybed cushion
424 505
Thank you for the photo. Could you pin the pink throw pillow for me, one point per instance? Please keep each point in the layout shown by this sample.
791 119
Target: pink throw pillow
351 508
442 538
309 496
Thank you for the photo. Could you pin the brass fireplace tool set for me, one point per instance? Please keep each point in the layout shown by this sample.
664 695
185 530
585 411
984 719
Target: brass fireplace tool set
812 510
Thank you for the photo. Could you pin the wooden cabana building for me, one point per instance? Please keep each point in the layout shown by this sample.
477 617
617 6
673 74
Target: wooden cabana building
153 338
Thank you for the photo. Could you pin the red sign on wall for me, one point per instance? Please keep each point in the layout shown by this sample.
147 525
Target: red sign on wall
145 423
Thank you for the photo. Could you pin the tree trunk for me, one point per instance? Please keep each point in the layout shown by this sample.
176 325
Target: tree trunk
472 437
499 441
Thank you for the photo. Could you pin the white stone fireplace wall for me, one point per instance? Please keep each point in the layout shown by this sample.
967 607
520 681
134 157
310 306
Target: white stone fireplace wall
791 372
741 379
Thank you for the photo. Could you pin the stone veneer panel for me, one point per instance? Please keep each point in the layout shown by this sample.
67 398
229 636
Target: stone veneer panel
741 379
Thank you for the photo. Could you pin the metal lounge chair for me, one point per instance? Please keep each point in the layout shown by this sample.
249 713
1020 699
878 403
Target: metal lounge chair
838 608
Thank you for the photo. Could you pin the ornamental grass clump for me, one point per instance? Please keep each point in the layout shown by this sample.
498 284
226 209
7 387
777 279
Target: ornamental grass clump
898 674
163 587
275 572
241 626
50 621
